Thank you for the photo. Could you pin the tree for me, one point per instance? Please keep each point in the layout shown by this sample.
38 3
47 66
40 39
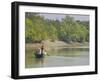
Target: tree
37 29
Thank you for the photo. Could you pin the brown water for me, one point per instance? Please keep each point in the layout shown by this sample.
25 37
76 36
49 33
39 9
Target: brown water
58 57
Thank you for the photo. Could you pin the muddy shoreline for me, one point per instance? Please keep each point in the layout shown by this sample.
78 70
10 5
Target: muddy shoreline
57 44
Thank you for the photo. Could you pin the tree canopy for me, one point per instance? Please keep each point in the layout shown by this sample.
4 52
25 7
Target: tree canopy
37 29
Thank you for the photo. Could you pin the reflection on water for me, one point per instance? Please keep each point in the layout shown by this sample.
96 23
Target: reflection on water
58 57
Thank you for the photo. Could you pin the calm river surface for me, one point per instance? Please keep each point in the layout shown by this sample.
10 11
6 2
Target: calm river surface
58 57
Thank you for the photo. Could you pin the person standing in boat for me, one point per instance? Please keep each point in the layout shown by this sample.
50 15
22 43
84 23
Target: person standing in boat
42 49
43 52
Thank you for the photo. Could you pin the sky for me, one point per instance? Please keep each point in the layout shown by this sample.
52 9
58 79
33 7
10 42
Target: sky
60 16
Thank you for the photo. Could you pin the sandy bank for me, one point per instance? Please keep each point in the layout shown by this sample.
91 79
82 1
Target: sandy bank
57 44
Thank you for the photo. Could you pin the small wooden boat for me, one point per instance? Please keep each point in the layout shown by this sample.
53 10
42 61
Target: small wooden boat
39 55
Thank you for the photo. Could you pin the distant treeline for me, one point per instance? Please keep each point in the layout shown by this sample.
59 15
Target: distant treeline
38 28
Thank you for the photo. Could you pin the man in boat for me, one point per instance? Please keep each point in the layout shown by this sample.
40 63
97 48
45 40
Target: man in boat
43 52
40 52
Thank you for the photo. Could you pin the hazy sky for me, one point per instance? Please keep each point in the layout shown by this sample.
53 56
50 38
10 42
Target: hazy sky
60 16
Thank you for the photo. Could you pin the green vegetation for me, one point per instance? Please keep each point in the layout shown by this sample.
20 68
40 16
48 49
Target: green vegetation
37 29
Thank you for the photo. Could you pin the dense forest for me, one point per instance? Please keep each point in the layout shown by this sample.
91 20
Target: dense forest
38 28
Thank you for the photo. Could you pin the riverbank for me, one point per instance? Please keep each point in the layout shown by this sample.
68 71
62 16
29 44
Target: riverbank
57 44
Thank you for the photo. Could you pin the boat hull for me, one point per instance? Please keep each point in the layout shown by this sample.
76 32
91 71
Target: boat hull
39 55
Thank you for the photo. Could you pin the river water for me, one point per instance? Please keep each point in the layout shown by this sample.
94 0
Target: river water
58 58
